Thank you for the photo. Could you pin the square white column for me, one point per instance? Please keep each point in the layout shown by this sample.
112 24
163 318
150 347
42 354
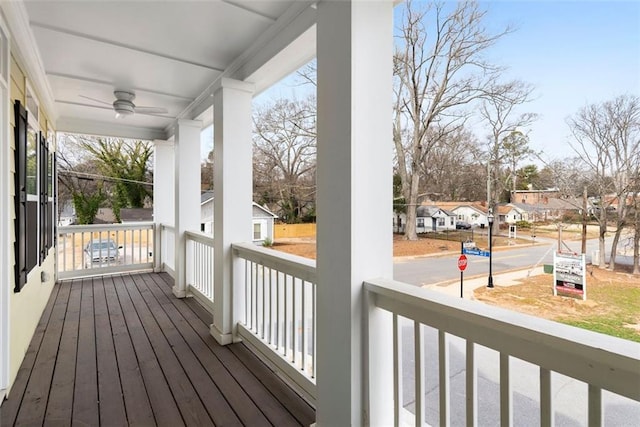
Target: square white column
232 210
163 193
187 195
354 204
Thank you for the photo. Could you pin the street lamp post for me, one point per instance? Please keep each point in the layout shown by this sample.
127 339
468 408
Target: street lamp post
490 220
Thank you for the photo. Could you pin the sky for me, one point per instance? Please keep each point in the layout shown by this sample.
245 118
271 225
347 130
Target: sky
574 53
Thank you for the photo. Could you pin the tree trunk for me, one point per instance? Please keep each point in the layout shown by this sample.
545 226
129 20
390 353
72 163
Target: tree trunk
636 247
620 223
412 205
603 232
614 248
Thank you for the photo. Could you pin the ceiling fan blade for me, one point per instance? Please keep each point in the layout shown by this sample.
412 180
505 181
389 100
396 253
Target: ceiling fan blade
151 110
95 100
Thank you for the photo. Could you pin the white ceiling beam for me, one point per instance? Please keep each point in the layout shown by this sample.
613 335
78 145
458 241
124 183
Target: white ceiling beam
281 64
88 127
248 9
295 22
120 45
25 49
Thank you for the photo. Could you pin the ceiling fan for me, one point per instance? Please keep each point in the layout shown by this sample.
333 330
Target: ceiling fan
124 106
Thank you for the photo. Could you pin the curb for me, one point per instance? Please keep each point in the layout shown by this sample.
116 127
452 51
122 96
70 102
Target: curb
480 276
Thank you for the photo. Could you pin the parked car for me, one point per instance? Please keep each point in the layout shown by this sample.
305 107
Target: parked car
461 225
101 253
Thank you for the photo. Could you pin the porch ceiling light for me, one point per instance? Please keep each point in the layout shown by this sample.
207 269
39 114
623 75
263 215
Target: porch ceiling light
123 108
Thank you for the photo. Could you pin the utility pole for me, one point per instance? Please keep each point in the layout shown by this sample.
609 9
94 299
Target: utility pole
584 220
559 237
489 210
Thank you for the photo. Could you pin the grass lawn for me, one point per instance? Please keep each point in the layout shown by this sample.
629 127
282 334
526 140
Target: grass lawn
612 307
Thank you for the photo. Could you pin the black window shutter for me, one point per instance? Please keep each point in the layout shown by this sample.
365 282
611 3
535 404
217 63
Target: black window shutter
42 193
20 198
54 207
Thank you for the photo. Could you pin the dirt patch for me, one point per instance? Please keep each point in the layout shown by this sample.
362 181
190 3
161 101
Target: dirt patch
307 250
612 307
306 247
401 247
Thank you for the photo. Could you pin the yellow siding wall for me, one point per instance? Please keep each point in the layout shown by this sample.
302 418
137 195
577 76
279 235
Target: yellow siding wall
26 306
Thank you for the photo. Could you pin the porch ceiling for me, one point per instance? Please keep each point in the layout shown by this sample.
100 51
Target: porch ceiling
171 54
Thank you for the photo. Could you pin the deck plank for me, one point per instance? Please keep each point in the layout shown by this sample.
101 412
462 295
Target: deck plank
112 409
85 400
164 406
61 393
34 402
10 407
191 407
302 411
122 350
264 389
134 393
238 399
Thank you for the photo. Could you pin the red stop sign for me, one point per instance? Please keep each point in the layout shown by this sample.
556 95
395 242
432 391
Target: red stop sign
462 262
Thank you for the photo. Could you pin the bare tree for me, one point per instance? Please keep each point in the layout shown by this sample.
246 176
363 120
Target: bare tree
285 156
453 168
206 172
606 137
507 144
439 68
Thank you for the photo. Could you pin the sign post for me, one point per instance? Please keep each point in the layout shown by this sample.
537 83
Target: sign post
462 264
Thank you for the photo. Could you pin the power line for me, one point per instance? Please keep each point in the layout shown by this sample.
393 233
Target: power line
103 177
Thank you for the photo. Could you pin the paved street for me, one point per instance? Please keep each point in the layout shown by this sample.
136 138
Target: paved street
433 269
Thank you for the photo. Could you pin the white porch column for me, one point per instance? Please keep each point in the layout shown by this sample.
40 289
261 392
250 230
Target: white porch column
163 193
232 181
187 195
354 205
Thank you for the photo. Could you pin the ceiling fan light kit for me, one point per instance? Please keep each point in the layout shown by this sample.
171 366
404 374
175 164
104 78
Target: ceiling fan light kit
124 106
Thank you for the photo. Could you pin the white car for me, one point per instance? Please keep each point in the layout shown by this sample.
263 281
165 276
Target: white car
101 253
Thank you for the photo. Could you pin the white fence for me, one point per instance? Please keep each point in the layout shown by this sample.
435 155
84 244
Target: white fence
600 362
199 263
166 249
89 250
280 310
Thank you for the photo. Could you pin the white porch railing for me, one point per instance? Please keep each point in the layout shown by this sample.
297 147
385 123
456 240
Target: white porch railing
166 249
602 362
279 311
200 267
277 317
97 249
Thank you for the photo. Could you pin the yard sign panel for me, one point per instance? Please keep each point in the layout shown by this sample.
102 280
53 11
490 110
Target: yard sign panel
569 274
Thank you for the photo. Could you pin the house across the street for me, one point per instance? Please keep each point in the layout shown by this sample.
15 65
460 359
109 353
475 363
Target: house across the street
432 218
262 221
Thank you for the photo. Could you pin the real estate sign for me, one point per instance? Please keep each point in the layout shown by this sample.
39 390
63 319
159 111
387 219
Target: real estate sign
569 274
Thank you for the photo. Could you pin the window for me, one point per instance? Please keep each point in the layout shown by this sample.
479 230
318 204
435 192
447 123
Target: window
257 231
34 189
421 222
440 222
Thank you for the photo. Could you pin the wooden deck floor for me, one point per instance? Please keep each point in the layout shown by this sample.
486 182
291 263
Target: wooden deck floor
121 350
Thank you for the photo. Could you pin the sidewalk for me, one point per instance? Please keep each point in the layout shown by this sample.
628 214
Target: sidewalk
509 278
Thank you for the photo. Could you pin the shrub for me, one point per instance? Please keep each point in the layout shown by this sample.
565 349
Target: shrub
523 224
267 243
